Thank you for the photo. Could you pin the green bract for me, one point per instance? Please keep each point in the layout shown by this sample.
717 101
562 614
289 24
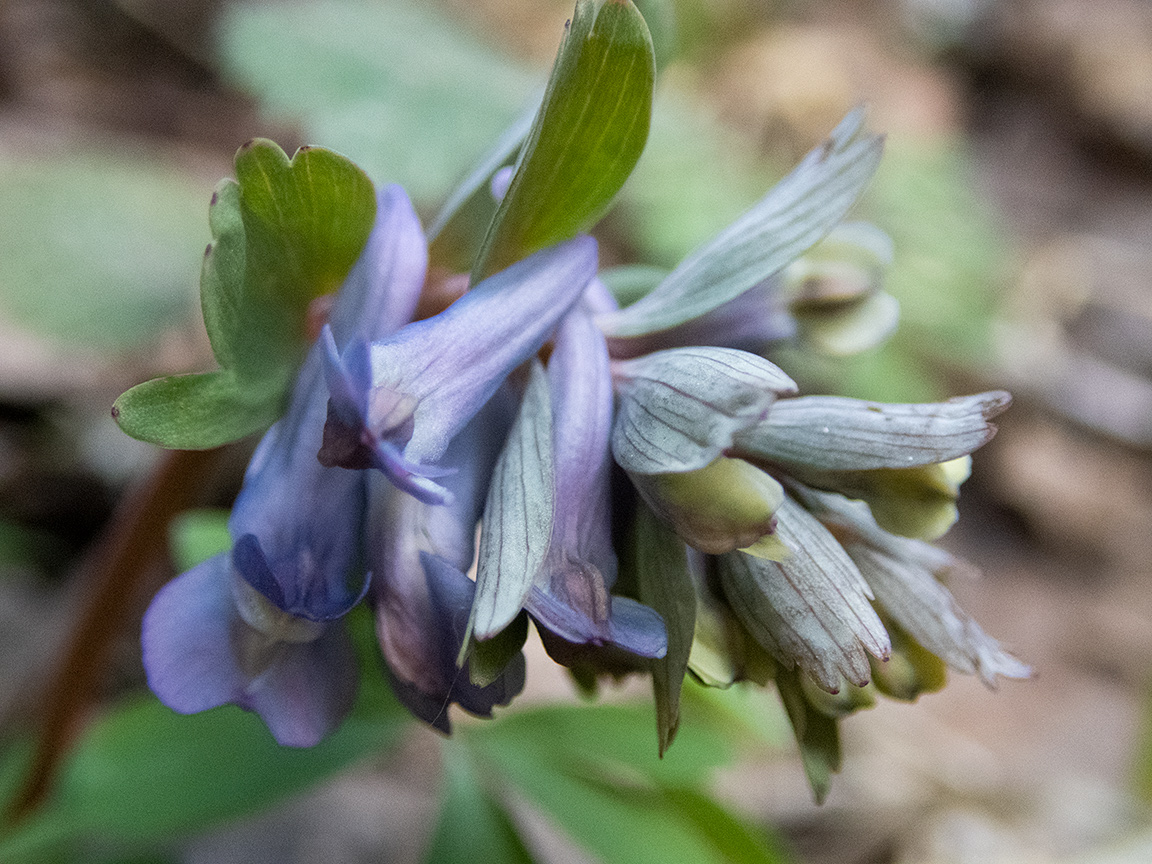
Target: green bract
586 138
285 232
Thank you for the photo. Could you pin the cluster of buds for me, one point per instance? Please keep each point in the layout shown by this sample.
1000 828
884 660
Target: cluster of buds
637 480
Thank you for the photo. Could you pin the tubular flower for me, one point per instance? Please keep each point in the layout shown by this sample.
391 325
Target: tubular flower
653 495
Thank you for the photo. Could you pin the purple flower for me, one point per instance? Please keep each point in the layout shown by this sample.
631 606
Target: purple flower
256 626
398 402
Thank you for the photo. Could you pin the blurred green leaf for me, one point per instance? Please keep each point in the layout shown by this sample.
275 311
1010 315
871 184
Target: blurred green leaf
97 248
396 86
472 826
592 770
197 535
142 774
286 231
590 131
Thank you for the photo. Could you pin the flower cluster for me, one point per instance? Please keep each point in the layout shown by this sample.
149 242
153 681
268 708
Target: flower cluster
653 498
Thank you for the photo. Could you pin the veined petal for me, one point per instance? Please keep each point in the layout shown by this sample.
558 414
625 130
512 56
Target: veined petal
752 322
518 514
903 573
838 434
811 609
793 216
431 377
679 409
920 603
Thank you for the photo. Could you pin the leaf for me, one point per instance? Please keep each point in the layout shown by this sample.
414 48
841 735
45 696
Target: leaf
285 232
398 87
197 535
97 248
818 735
518 515
455 235
142 773
590 131
793 216
585 768
306 219
663 580
196 412
472 826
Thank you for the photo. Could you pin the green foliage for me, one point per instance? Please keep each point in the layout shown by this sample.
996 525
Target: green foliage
142 775
590 131
394 85
97 249
286 231
473 826
197 535
593 772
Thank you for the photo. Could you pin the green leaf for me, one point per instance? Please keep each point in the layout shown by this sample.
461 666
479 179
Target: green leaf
197 535
792 217
98 249
455 235
196 412
142 774
472 826
590 131
585 768
398 87
817 734
306 219
664 582
285 232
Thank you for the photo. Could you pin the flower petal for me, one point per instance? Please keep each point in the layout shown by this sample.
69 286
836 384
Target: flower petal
308 690
187 640
450 595
380 293
297 524
431 377
679 409
199 653
811 609
518 514
793 216
833 433
902 572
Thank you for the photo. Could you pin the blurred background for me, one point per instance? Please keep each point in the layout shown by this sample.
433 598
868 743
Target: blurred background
1017 186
